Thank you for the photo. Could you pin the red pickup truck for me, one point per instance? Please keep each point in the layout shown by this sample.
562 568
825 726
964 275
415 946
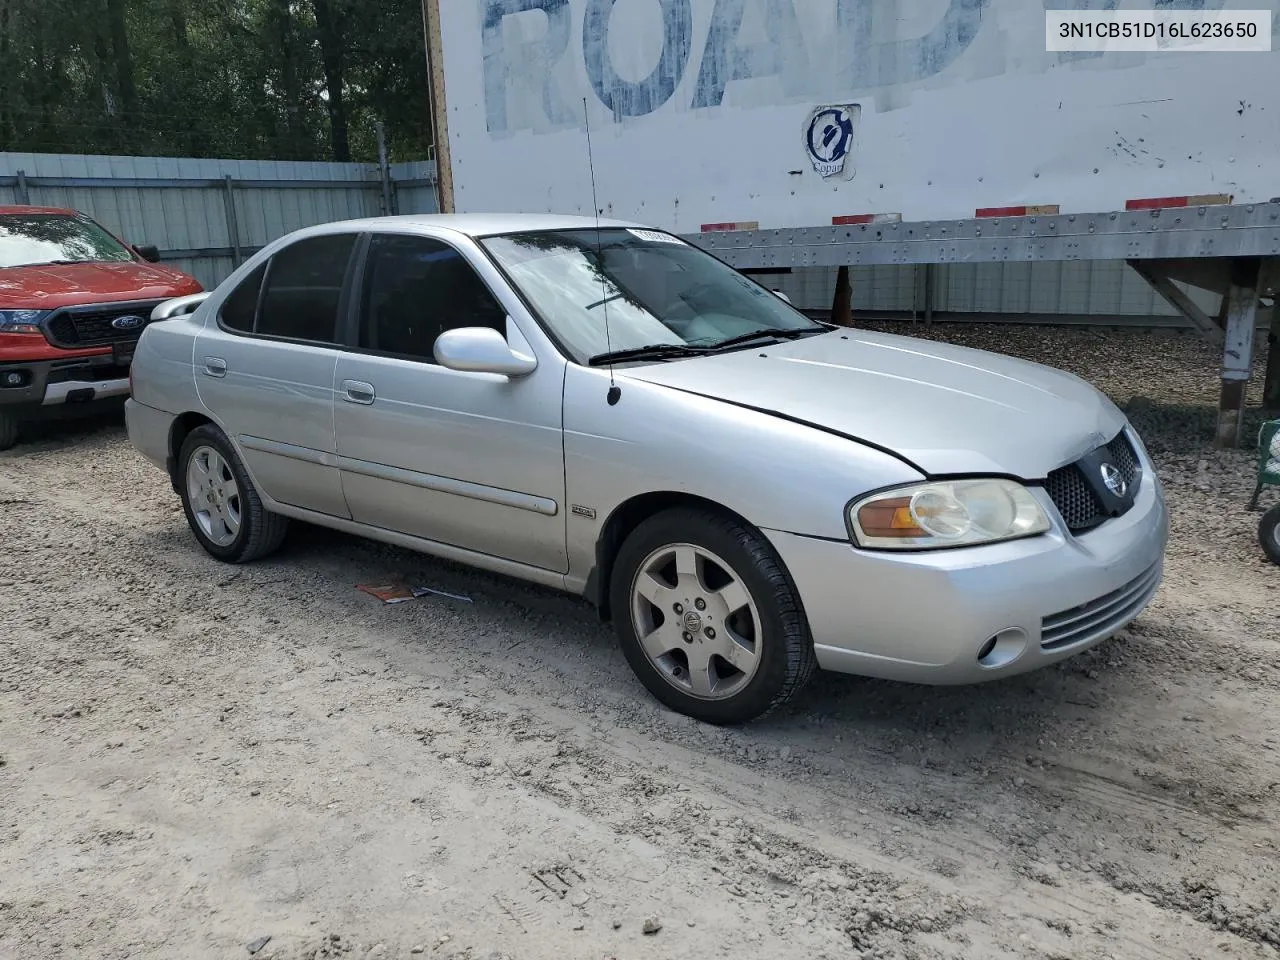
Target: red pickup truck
73 302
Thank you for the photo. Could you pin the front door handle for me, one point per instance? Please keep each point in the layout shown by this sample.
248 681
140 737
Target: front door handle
215 367
357 391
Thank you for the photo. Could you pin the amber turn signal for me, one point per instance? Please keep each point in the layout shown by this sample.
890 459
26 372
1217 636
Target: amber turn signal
889 518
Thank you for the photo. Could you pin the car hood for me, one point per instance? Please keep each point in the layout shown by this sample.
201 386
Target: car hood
947 409
62 285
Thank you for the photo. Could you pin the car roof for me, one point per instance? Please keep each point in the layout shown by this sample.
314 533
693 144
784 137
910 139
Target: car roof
476 224
20 208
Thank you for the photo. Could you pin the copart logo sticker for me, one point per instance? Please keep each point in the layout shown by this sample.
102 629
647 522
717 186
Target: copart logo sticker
828 137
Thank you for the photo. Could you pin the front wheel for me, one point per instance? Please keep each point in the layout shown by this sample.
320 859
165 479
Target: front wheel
220 501
1269 534
708 618
8 430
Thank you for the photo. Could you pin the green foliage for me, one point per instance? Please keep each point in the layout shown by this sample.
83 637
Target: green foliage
250 79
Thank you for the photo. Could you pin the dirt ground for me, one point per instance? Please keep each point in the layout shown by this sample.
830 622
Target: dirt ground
196 757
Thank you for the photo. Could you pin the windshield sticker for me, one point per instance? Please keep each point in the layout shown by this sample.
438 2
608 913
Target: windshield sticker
655 236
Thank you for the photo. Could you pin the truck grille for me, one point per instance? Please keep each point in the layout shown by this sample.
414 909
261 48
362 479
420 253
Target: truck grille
75 327
1100 616
1077 499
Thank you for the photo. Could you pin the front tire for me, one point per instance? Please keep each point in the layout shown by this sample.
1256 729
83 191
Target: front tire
221 503
1269 534
708 618
8 430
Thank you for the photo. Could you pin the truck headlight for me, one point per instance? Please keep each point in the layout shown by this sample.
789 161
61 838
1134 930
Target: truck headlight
21 321
946 513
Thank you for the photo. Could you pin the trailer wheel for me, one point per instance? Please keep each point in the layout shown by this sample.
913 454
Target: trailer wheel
1269 534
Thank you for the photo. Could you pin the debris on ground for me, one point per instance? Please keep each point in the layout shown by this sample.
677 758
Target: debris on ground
401 593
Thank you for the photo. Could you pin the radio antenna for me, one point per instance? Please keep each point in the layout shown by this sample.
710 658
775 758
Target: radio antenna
615 392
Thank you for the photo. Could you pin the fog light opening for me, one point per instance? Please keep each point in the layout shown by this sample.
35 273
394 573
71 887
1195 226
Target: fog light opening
1003 648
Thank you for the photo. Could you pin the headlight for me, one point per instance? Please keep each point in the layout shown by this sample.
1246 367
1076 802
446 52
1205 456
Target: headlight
21 321
948 513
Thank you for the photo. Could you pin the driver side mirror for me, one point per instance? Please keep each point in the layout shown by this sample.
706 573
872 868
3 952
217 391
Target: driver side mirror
781 296
148 252
481 350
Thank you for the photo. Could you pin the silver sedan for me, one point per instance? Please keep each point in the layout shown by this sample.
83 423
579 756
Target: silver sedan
748 495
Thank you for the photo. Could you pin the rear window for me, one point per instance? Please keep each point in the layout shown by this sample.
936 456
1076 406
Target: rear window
34 239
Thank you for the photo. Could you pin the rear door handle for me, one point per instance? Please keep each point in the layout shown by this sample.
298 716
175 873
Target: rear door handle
215 367
357 391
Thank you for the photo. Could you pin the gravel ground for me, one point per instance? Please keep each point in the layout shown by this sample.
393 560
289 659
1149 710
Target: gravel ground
205 761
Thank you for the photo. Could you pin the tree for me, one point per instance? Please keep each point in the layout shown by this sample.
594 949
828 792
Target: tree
331 25
254 79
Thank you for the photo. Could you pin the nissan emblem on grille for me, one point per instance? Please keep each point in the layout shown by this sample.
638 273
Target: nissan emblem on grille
128 322
1114 479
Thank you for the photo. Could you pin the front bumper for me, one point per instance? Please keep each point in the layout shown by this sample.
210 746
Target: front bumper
54 383
931 617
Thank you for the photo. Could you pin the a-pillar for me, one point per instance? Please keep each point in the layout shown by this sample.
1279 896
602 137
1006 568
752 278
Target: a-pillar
1237 351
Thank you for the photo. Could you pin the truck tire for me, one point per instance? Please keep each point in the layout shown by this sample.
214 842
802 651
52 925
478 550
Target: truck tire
221 503
1269 534
708 618
8 430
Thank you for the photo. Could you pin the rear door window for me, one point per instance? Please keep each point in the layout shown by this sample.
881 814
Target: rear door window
304 284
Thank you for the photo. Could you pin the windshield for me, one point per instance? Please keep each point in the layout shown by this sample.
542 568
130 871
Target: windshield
655 288
28 239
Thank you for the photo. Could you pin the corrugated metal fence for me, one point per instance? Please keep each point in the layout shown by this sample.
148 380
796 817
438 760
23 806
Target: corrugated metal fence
208 215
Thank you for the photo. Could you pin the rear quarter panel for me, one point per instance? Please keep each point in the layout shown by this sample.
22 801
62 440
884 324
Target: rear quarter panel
163 375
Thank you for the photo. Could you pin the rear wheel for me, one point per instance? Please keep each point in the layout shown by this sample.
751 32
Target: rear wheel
1269 533
708 618
220 501
8 430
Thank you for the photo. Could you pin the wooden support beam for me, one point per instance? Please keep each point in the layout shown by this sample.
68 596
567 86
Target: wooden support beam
439 105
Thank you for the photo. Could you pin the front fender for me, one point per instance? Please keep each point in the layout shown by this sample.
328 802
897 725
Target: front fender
774 473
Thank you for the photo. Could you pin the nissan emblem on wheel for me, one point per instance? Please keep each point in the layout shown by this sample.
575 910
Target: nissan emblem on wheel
769 495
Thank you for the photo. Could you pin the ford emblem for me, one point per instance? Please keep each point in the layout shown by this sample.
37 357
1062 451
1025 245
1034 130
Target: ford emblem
129 322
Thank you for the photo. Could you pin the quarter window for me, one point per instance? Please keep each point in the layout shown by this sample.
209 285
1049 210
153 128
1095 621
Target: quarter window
241 305
415 288
304 287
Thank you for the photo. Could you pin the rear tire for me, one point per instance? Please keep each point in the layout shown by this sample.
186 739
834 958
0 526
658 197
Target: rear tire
708 618
8 430
1269 534
221 503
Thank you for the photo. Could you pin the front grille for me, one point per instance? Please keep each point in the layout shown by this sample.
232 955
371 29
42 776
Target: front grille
1123 456
1075 497
1100 617
91 326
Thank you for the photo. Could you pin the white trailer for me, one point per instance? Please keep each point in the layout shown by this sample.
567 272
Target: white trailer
815 133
